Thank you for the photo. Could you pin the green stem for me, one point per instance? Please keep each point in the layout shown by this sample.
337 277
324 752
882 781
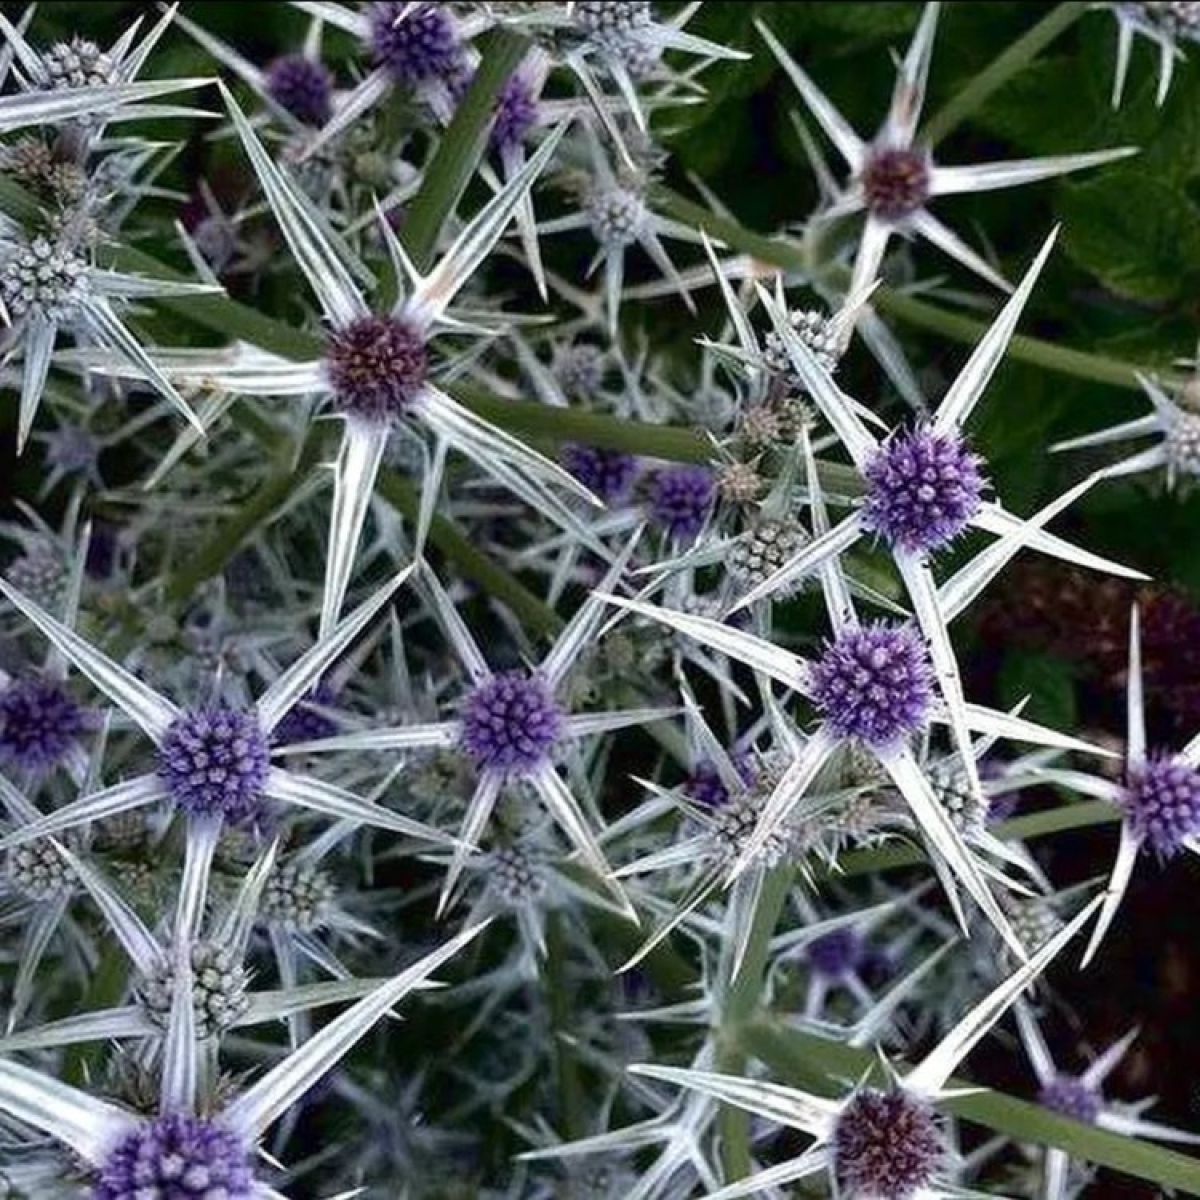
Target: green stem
740 1005
821 1065
994 76
560 1002
790 256
461 147
1036 825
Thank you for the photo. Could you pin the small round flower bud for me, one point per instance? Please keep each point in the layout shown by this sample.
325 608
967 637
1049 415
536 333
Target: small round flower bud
608 474
762 550
219 985
376 367
895 182
1070 1096
177 1157
681 499
874 683
836 954
1162 802
1182 444
40 723
950 786
739 483
923 489
303 87
1033 921
511 723
517 876
886 1146
736 821
617 215
38 871
579 369
816 331
78 63
605 19
297 897
214 762
44 280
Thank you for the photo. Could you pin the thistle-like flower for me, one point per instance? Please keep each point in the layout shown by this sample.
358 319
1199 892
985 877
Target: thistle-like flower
1165 24
894 177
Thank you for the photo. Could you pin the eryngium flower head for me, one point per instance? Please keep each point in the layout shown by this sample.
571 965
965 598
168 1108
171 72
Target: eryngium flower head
45 280
895 181
603 19
816 331
78 63
736 821
39 723
416 46
511 722
608 474
219 985
297 897
579 369
516 113
1070 1096
177 1157
922 490
874 683
302 86
950 786
305 722
38 871
376 366
1162 800
762 550
886 1146
681 499
616 215
1033 921
214 762
835 954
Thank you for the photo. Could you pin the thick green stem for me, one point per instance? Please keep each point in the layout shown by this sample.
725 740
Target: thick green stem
741 1003
993 77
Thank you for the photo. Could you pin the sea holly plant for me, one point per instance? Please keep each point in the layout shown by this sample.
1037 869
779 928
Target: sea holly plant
390 552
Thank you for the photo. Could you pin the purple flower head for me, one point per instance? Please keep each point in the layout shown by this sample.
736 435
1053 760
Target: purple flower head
516 113
1070 1096
681 499
922 490
304 722
836 954
874 683
39 723
1162 800
214 761
177 1157
511 722
609 474
886 1145
376 366
302 86
418 46
895 182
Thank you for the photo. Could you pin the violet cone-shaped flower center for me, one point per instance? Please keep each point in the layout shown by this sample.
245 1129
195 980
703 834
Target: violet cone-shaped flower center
608 474
214 762
836 954
895 181
177 1157
39 723
303 87
376 367
886 1146
874 683
417 45
511 722
923 489
516 113
1070 1096
1162 799
681 499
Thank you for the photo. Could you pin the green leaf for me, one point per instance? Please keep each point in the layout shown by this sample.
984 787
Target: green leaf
1048 683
